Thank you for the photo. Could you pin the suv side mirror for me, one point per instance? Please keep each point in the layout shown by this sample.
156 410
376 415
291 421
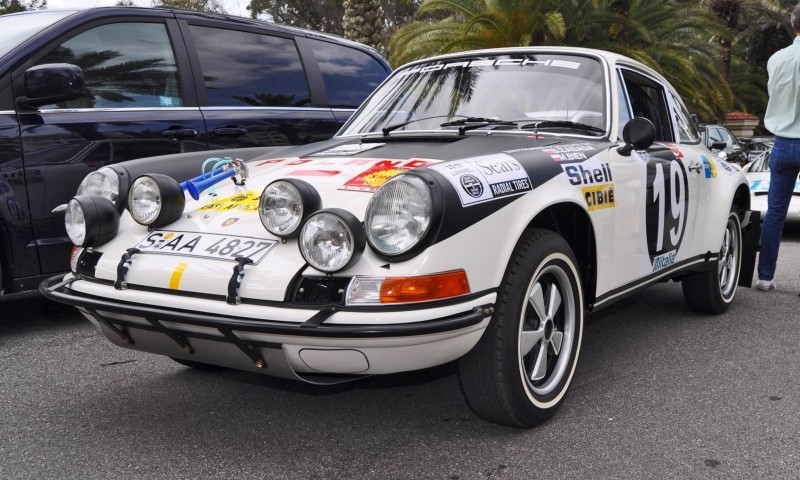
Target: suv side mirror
638 134
52 83
718 146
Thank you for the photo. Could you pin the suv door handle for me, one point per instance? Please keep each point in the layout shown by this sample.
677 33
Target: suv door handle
179 133
230 131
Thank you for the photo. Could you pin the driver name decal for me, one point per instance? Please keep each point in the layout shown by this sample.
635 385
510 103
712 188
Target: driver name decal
485 178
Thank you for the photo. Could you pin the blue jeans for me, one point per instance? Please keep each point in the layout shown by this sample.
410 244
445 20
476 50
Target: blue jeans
784 166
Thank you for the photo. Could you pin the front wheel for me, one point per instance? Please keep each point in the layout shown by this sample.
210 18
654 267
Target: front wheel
712 291
521 368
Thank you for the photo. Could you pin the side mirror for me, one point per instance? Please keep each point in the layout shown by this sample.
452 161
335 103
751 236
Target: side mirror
638 134
52 83
718 146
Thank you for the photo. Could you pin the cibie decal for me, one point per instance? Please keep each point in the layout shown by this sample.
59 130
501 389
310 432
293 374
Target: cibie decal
372 178
709 167
599 197
241 202
482 179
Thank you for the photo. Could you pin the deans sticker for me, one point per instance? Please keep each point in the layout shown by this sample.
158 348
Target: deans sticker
241 202
482 179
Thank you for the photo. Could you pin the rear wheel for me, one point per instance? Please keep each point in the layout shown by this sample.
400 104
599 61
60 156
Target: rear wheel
712 291
521 368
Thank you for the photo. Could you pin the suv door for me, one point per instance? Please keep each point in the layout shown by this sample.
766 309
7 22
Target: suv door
275 86
140 103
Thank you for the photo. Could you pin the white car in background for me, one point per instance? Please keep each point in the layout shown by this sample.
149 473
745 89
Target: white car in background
757 173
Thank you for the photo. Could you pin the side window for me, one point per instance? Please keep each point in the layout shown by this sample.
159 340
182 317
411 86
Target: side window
728 137
687 133
623 107
647 100
250 69
125 65
350 75
714 136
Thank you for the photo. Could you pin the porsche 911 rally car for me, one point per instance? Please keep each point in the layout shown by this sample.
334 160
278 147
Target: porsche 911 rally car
474 208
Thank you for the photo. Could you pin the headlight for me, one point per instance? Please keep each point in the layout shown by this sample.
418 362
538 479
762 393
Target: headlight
284 205
91 221
399 215
156 200
331 240
102 183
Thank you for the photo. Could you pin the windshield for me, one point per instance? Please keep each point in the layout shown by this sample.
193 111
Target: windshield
18 27
550 93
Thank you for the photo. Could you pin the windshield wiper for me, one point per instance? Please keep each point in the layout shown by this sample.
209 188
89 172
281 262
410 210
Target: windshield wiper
471 123
391 128
562 123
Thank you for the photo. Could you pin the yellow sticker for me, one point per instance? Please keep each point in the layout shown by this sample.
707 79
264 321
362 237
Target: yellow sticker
599 196
241 202
177 274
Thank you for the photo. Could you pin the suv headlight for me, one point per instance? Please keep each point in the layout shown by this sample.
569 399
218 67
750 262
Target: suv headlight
399 215
284 205
331 240
101 183
156 200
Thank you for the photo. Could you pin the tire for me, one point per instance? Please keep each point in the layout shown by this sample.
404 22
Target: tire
712 291
522 366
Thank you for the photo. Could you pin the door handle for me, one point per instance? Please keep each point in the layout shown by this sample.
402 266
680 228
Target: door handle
179 133
230 131
695 167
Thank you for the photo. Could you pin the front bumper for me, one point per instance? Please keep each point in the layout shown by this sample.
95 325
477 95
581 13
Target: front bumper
317 345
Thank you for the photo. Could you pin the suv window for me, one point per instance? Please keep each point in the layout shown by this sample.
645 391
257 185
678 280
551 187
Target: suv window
349 74
250 69
713 136
125 65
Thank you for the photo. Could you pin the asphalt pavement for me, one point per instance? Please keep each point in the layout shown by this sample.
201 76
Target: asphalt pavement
660 393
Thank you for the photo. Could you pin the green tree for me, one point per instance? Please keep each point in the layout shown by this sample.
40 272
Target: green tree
14 6
362 22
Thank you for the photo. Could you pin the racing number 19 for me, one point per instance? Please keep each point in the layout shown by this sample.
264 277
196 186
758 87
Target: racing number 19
676 196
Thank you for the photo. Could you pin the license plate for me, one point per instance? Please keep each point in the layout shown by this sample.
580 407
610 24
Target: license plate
206 245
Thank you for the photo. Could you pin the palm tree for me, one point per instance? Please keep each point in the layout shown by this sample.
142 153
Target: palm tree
363 22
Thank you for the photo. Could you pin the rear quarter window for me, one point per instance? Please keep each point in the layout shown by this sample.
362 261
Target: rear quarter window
349 75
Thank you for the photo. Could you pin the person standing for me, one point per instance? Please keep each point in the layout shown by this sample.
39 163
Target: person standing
783 120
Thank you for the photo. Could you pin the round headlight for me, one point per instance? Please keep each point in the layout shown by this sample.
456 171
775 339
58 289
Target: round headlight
284 205
331 240
91 221
399 215
156 200
102 183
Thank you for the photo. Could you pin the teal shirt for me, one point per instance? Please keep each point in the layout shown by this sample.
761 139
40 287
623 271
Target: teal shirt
783 110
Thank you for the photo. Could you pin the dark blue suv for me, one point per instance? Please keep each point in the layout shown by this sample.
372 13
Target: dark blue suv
80 89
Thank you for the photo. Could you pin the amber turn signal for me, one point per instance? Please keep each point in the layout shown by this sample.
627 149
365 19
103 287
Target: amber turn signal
424 288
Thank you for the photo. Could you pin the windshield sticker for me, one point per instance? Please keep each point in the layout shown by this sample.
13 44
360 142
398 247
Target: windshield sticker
241 202
521 62
482 179
347 150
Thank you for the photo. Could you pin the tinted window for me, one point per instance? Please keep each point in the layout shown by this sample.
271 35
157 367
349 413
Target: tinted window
349 74
250 69
125 64
15 29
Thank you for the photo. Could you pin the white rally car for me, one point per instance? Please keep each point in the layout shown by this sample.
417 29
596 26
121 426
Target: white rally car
474 209
757 173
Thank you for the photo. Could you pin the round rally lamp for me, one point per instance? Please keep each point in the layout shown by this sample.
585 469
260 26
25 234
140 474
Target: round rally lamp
156 200
399 215
103 183
285 204
91 221
331 240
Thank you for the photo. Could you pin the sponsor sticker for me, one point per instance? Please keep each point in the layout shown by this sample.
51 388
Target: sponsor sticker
380 173
709 167
675 150
482 179
664 260
241 202
726 167
599 197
